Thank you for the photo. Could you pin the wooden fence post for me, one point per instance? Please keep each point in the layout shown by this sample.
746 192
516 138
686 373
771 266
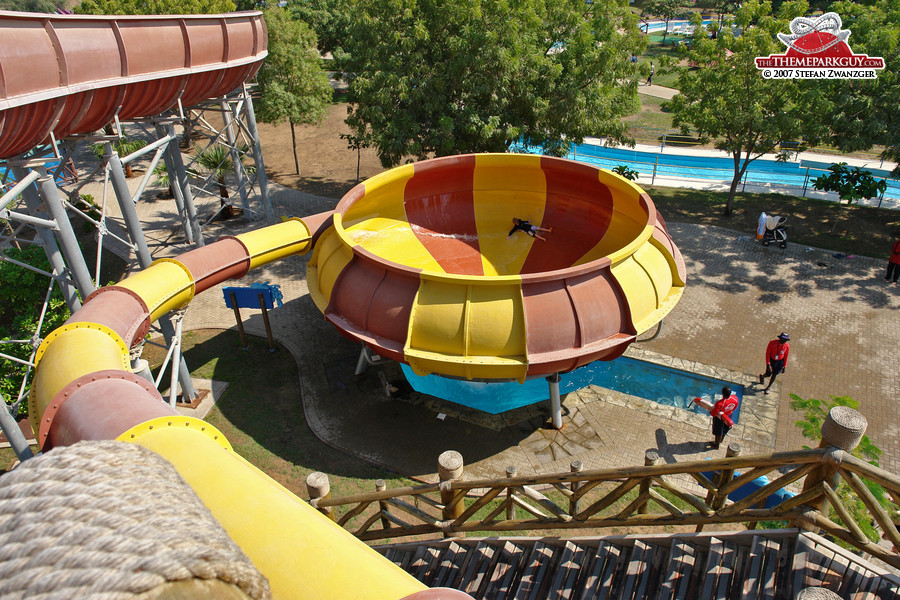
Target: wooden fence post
714 499
510 506
575 467
382 505
318 488
842 430
450 469
651 457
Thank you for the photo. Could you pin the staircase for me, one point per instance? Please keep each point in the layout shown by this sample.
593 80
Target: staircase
764 564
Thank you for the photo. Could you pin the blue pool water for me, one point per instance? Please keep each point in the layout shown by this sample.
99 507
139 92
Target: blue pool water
760 171
627 375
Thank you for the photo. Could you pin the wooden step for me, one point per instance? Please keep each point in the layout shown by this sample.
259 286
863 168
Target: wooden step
598 580
678 572
568 572
637 571
450 568
538 567
476 573
424 563
506 571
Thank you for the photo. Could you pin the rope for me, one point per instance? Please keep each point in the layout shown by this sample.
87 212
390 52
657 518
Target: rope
106 521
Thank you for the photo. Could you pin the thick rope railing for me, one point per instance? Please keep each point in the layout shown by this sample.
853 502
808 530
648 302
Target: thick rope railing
113 520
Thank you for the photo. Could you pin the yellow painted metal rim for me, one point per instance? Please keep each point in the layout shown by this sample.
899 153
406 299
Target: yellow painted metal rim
180 422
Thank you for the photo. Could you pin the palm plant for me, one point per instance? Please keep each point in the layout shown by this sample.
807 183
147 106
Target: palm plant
123 147
215 162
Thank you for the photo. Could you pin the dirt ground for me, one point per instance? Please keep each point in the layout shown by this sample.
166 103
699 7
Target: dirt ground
327 166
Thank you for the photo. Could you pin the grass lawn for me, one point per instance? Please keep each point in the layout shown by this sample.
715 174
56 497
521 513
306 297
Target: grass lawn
854 229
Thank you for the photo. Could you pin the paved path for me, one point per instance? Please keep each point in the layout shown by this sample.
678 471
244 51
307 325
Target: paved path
842 317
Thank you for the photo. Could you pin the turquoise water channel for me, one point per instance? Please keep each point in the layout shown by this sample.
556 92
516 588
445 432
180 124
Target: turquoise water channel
643 379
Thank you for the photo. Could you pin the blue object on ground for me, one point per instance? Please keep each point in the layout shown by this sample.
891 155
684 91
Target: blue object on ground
248 297
779 496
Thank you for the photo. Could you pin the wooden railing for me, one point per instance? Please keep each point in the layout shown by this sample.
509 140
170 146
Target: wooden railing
690 493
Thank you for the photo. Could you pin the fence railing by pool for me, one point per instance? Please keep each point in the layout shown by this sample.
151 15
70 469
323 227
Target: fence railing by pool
656 495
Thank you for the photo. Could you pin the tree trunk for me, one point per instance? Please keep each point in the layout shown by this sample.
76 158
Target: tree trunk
738 173
294 145
358 153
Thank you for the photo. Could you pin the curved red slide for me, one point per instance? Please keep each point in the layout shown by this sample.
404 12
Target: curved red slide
71 74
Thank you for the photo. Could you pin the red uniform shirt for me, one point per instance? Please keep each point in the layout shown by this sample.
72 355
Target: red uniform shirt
724 407
777 351
895 253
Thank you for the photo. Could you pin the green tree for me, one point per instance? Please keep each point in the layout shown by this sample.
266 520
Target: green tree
727 100
292 84
851 184
432 77
22 294
154 7
863 112
665 10
330 19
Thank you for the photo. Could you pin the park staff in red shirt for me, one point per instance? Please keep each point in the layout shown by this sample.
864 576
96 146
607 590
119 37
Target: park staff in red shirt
776 359
721 414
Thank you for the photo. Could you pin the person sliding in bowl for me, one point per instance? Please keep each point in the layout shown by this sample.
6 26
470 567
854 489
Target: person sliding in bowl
527 227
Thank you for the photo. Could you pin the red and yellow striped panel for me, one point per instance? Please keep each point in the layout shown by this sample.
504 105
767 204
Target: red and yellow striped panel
420 265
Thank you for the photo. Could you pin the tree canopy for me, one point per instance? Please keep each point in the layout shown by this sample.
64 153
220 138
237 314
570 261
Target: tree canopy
446 77
727 100
866 112
292 84
328 18
154 7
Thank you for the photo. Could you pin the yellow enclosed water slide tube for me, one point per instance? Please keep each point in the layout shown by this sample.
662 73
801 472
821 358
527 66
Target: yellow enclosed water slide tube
84 390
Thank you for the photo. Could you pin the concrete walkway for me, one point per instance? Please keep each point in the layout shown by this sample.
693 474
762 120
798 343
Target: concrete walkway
842 317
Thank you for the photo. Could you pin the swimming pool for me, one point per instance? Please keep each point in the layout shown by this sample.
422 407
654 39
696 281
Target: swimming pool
760 171
643 379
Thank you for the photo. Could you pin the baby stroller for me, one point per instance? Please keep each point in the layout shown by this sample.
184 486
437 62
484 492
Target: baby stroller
774 231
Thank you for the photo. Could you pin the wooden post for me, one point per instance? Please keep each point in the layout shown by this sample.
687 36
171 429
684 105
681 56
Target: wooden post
575 467
842 430
265 313
450 469
510 507
240 324
651 457
318 488
714 499
382 505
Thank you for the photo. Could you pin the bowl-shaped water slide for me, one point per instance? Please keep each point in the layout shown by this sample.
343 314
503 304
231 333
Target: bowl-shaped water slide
419 266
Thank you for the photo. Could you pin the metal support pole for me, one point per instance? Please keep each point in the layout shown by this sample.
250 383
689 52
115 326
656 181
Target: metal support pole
655 164
14 434
185 185
126 205
555 403
175 185
176 360
805 181
68 243
228 117
257 157
57 264
136 232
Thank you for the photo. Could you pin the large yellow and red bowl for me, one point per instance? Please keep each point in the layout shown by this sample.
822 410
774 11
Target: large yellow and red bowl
418 265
